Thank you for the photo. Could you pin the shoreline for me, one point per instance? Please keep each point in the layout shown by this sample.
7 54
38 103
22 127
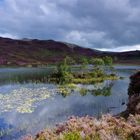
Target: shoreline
53 65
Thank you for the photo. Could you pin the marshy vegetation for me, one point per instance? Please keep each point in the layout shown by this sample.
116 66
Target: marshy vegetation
101 69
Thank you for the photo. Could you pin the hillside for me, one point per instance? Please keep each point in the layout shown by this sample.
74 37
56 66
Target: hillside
42 52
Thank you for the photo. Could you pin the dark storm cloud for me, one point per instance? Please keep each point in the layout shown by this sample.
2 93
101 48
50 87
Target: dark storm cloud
103 24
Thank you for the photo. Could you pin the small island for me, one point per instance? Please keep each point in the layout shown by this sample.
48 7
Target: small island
87 72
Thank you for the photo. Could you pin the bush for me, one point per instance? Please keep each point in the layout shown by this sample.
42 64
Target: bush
108 60
89 128
84 62
72 136
97 73
97 61
63 73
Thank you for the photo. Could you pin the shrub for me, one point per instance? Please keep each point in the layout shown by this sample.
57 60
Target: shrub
63 73
108 60
83 91
97 61
97 73
84 62
89 128
72 136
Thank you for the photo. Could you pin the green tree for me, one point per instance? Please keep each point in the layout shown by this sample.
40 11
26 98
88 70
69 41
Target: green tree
84 62
70 60
108 60
109 63
98 70
63 73
97 61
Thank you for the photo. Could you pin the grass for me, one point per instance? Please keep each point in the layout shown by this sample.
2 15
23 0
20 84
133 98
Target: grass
93 80
83 91
72 136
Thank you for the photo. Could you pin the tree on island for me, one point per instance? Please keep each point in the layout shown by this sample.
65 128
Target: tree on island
84 62
108 61
101 66
64 73
97 70
69 60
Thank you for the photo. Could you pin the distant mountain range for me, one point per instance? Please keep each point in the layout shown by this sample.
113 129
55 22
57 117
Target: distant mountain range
41 52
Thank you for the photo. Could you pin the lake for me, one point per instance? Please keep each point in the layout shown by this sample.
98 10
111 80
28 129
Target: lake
28 105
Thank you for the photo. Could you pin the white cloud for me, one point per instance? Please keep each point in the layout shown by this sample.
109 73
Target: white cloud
89 39
7 35
90 23
122 48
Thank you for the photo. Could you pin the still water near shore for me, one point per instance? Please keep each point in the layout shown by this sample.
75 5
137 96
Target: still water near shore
27 106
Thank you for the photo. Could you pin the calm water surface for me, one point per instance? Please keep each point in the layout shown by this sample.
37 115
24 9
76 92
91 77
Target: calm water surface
27 106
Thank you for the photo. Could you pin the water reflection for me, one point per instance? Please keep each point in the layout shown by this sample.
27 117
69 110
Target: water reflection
7 131
105 91
24 75
22 98
98 89
25 98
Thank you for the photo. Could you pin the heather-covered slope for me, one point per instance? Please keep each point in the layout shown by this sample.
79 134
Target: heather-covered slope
89 128
41 52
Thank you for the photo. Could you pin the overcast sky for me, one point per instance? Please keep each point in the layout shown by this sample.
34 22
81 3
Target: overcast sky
112 25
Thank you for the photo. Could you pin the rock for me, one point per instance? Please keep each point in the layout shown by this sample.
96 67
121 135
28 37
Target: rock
134 86
133 106
123 103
